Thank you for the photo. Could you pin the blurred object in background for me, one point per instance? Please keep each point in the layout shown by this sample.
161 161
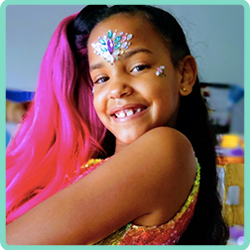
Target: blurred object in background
230 149
17 103
232 192
231 189
236 235
230 166
19 96
222 99
15 111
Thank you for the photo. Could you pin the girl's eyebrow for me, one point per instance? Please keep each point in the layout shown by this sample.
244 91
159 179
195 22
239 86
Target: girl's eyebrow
130 53
126 55
96 66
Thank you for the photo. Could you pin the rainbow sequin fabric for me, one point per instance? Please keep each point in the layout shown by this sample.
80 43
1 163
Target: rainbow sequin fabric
165 234
85 169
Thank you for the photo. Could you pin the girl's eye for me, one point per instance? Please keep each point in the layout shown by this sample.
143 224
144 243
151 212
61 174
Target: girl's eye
140 68
101 80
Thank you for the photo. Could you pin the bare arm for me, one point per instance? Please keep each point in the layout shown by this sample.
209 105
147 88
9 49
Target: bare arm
146 182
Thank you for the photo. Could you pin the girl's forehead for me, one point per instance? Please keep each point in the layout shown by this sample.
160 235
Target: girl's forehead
134 25
121 34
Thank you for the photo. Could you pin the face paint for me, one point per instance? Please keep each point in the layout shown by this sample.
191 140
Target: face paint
160 71
111 45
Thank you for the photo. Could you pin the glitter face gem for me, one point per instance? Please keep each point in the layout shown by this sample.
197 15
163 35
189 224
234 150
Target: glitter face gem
160 71
111 45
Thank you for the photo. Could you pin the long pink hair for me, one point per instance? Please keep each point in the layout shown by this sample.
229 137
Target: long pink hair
60 132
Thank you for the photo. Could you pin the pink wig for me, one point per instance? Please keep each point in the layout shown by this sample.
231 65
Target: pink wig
60 132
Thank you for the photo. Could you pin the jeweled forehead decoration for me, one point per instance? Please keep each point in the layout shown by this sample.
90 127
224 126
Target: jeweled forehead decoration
111 45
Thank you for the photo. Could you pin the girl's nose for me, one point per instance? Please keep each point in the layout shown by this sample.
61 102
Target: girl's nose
120 88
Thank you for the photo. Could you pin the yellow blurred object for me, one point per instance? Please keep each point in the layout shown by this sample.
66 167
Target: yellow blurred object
231 141
233 202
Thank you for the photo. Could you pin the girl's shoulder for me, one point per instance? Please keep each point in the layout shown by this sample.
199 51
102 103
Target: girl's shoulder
166 145
163 148
167 134
163 165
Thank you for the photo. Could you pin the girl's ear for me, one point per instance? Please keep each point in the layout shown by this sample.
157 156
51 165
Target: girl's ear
188 70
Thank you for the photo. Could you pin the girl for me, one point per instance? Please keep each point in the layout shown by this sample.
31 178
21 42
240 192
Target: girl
105 154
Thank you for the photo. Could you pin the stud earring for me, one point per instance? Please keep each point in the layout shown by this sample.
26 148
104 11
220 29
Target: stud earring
160 71
184 89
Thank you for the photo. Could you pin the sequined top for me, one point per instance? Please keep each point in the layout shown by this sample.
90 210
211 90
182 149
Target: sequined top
164 234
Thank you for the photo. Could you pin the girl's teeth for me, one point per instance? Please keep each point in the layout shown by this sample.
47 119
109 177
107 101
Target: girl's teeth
129 112
121 114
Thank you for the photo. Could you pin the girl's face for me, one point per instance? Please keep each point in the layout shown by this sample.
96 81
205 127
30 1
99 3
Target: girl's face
129 98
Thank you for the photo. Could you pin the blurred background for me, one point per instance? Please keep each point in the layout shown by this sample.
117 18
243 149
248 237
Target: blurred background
215 34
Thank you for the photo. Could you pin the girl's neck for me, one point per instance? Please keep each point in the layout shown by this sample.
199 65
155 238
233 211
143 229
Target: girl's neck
119 146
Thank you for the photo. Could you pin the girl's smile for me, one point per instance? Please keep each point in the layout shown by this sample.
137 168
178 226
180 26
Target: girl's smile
128 112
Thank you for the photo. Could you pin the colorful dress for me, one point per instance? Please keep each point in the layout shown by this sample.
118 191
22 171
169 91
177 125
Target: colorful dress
164 234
